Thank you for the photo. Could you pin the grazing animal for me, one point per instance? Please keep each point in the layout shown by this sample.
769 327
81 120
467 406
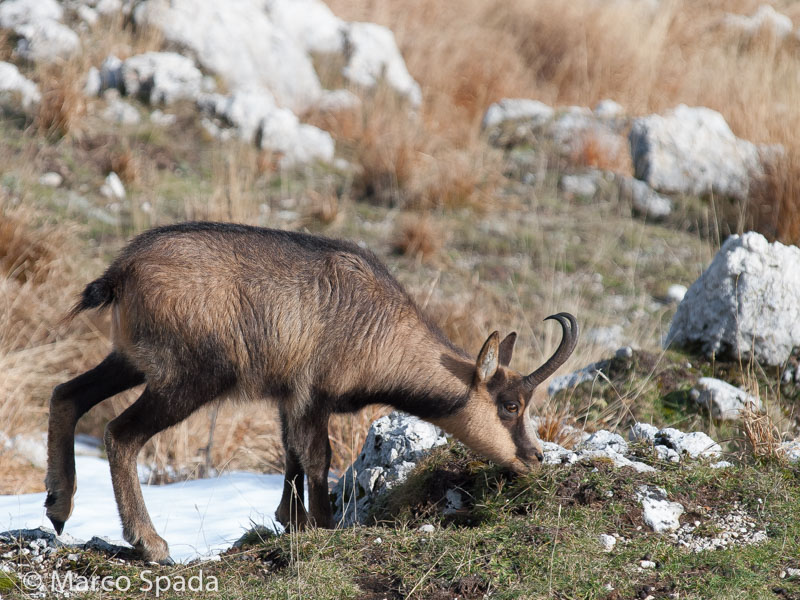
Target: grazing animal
201 311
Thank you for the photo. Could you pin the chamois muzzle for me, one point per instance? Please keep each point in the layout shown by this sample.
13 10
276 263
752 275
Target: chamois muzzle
569 325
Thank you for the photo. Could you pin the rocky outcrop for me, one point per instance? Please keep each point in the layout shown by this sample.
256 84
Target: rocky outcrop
251 44
746 303
570 130
256 118
692 150
394 445
16 91
723 401
41 34
161 77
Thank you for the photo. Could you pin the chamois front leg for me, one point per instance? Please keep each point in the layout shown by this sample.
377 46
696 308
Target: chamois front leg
315 456
69 402
291 510
307 438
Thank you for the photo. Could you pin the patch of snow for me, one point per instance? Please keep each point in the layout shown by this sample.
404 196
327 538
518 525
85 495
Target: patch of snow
197 518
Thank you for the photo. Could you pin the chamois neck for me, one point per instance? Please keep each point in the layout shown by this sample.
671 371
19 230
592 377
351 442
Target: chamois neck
433 378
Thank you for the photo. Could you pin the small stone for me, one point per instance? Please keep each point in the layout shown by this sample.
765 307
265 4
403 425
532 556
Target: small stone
647 564
657 511
607 542
426 528
51 179
722 464
791 572
624 352
377 540
579 186
113 187
675 293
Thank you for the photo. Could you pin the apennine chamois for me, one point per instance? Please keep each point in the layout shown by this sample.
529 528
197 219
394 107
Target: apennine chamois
201 311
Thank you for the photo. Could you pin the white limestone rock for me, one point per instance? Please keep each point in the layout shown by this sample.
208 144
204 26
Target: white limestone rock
645 201
46 40
676 293
256 118
51 179
16 91
369 51
609 109
747 302
238 41
694 445
372 54
394 444
658 512
643 432
575 126
113 188
617 459
692 150
554 454
517 109
764 18
574 379
605 440
579 186
724 401
607 542
161 77
121 112
310 22
21 12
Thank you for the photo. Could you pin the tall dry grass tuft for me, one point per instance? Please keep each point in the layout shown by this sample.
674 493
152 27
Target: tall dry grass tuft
63 104
34 293
762 435
417 237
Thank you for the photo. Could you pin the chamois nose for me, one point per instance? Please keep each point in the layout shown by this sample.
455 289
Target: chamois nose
539 456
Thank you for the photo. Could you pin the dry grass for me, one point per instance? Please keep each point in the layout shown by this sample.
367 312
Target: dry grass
465 56
418 237
559 428
19 475
63 105
647 56
762 435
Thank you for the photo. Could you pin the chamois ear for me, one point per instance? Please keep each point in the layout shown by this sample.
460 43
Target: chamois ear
507 348
488 357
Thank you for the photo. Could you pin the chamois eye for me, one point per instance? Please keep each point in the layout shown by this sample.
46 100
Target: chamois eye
511 407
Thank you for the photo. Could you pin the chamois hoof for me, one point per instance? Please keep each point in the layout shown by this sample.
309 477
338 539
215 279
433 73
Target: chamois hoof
57 512
156 551
57 525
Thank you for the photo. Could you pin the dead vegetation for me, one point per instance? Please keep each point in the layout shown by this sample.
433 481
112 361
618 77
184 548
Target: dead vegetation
430 163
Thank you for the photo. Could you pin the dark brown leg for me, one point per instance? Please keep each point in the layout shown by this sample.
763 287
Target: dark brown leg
69 402
307 439
125 436
291 510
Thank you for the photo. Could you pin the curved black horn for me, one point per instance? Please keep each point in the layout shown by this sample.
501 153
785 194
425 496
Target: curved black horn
569 325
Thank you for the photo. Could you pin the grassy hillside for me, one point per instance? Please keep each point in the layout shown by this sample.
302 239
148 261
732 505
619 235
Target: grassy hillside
480 248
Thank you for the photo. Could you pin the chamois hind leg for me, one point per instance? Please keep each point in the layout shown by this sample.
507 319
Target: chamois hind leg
291 510
69 402
309 436
153 412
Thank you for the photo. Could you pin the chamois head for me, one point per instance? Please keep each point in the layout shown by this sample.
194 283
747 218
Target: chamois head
496 420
